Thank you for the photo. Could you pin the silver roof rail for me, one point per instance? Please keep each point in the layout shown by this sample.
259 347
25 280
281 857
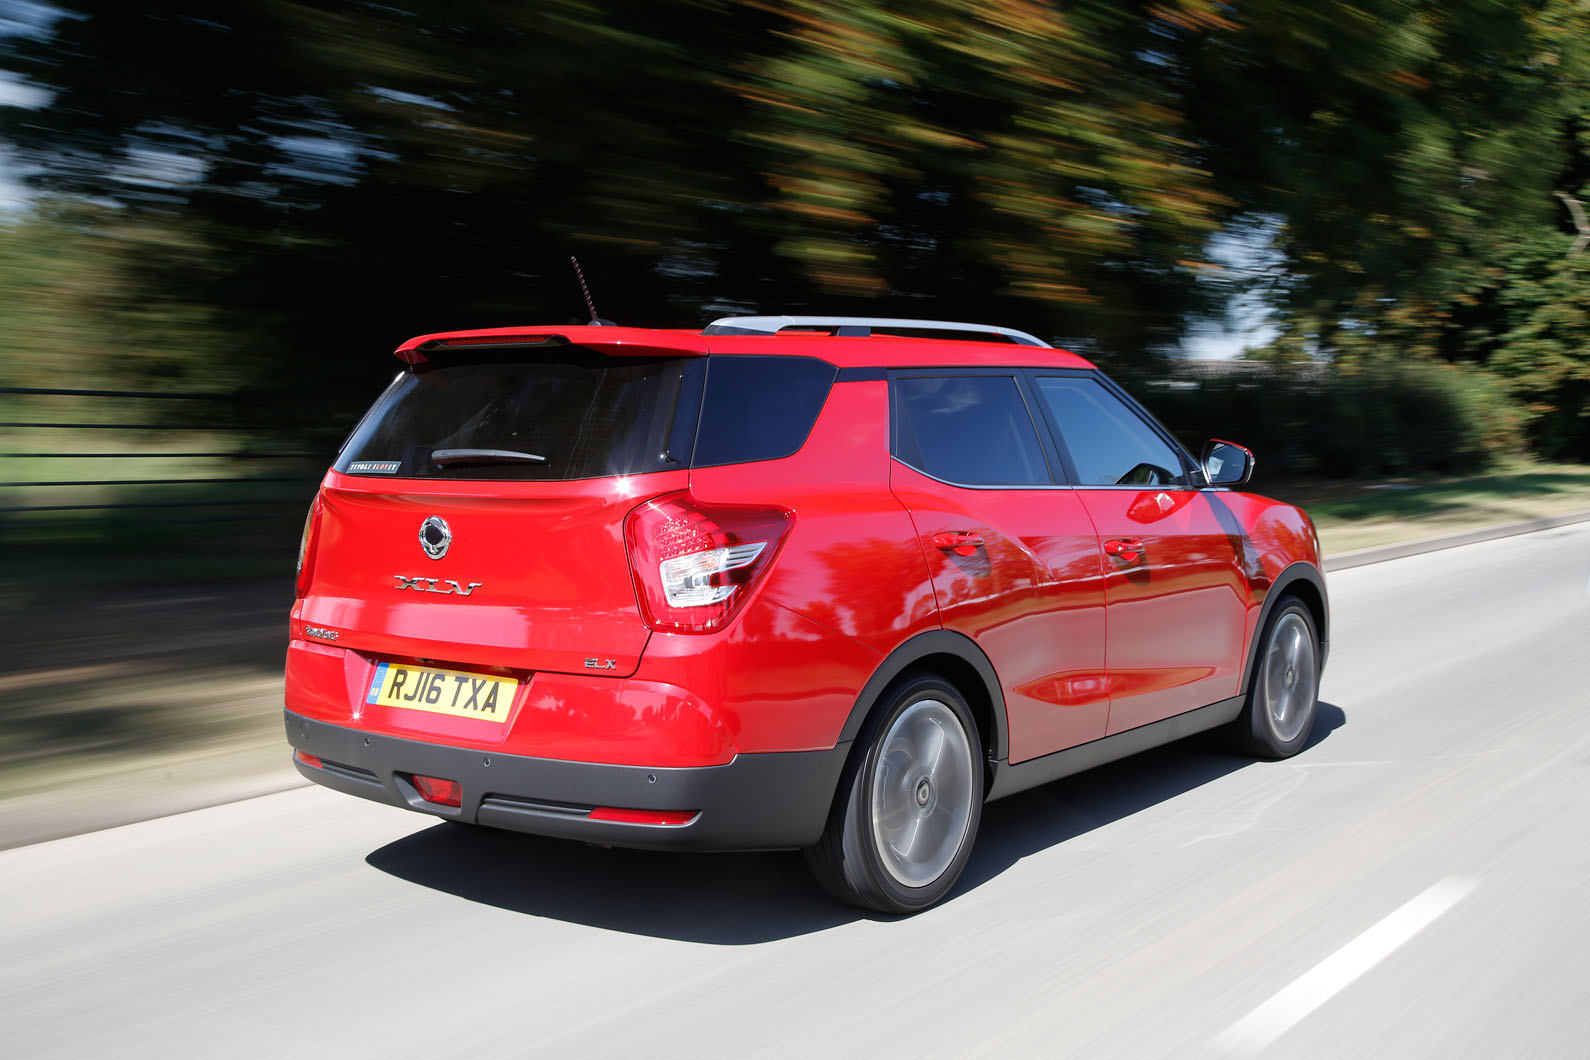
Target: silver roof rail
859 326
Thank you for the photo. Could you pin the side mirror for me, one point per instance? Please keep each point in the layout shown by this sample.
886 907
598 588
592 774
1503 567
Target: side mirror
1227 463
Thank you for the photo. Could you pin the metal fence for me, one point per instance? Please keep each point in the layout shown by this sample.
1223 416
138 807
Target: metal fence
87 473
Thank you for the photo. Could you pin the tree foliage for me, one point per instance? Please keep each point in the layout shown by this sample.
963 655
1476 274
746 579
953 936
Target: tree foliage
313 181
1034 153
1530 327
1389 135
87 301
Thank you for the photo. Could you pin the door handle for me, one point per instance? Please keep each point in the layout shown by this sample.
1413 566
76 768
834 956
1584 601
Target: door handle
960 544
1125 551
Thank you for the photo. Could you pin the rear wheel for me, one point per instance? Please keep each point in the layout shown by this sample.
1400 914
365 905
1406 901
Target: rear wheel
909 802
1283 695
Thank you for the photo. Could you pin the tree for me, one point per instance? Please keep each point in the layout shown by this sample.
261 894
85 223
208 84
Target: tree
86 302
348 175
1397 142
371 171
1529 326
1020 155
1022 161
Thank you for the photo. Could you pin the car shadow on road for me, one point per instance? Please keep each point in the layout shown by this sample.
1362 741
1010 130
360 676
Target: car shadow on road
744 899
1044 817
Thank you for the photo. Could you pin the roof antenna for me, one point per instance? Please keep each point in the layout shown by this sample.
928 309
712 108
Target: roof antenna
596 321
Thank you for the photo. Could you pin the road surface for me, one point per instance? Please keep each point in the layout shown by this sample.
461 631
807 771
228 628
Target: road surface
1415 884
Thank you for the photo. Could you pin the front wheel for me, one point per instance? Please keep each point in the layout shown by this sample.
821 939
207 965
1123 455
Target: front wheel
909 802
1284 693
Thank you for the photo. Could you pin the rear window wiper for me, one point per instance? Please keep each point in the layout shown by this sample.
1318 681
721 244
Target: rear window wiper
449 457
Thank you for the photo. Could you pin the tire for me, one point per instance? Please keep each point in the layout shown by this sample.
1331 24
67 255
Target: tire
1283 692
908 804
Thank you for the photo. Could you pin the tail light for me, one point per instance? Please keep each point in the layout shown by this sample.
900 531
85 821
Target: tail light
306 547
694 565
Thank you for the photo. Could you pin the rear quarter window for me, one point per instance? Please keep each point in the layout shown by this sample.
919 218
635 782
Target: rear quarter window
759 408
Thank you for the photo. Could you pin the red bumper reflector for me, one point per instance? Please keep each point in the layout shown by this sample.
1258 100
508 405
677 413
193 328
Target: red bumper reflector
308 759
613 813
442 792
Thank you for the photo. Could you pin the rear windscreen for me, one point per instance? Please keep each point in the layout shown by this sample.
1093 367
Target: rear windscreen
573 414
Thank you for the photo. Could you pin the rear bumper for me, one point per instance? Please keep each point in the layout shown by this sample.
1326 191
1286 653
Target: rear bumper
754 802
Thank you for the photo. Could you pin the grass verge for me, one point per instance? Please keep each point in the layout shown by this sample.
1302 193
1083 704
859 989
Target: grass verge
1355 515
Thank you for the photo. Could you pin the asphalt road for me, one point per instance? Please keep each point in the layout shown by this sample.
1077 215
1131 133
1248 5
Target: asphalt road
1413 884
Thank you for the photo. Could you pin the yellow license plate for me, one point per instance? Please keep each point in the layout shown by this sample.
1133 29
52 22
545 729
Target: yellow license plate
463 695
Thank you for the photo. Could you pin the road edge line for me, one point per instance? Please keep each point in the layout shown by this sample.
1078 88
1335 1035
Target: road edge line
1253 1033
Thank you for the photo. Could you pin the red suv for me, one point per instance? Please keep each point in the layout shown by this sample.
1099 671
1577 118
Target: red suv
823 583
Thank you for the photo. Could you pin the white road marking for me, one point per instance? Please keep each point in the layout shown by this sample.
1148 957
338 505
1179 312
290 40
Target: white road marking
1251 1034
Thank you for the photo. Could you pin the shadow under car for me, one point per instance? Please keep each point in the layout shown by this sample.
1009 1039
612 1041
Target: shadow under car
744 899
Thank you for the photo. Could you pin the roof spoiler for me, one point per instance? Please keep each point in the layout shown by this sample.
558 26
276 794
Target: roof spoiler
618 341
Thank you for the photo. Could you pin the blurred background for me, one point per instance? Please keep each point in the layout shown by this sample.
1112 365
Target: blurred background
1349 234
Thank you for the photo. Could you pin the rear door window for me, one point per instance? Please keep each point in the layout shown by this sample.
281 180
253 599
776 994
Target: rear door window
511 416
970 430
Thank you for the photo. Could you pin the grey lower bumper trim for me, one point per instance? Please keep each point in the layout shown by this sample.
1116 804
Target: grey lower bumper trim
755 802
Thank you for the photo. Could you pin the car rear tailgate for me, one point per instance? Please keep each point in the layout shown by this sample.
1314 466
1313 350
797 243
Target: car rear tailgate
535 576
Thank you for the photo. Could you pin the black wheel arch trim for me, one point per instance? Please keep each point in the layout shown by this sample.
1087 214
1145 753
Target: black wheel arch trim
1281 587
914 651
